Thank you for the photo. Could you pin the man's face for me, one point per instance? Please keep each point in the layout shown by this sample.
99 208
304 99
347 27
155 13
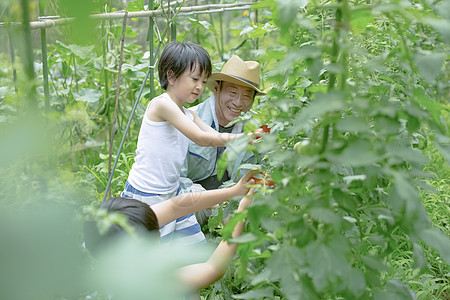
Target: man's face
231 100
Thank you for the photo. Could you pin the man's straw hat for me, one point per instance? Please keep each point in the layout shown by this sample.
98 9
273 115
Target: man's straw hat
235 70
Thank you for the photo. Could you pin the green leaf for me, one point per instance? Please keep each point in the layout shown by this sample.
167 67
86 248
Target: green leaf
130 33
245 238
285 14
357 153
430 65
442 26
327 261
324 215
202 24
433 107
263 4
420 261
215 219
82 52
88 95
360 19
228 229
135 5
323 103
284 266
256 294
375 263
406 153
356 282
434 238
395 289
352 124
221 165
442 144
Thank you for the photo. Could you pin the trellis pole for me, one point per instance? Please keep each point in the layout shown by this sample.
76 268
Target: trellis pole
151 25
256 22
119 77
104 42
13 59
44 60
221 34
28 65
215 37
197 30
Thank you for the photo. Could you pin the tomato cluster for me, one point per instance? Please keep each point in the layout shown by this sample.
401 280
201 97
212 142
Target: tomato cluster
263 178
260 131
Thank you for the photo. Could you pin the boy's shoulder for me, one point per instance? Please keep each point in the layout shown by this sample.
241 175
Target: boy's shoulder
159 100
163 96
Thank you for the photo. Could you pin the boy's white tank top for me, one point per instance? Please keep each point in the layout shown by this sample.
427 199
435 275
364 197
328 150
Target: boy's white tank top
161 150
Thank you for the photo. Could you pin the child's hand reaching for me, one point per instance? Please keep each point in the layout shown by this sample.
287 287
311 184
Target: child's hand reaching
242 187
247 200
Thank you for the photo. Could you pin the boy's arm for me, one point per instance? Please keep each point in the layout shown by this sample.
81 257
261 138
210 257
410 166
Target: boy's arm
168 110
202 125
188 203
201 275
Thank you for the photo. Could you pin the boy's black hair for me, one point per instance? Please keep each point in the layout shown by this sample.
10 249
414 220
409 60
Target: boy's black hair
139 215
178 57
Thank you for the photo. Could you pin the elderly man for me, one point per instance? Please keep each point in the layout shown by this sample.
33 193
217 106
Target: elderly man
234 89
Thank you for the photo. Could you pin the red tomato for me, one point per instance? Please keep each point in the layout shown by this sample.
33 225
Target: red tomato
264 180
260 131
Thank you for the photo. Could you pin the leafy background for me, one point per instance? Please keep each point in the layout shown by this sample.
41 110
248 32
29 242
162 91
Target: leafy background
359 144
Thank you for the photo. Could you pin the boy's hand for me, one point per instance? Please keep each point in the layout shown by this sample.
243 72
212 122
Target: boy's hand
242 187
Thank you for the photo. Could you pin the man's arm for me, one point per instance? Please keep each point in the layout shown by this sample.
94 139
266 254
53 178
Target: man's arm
201 275
188 203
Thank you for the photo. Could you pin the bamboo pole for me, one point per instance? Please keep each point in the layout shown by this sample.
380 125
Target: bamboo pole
197 30
209 8
104 42
13 59
256 22
221 34
44 61
151 25
119 77
28 59
211 20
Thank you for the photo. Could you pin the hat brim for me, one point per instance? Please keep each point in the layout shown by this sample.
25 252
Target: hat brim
224 77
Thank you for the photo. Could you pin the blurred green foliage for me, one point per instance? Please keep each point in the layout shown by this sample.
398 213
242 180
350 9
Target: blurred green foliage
360 211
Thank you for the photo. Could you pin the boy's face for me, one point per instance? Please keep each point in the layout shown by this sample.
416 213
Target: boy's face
231 100
188 86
